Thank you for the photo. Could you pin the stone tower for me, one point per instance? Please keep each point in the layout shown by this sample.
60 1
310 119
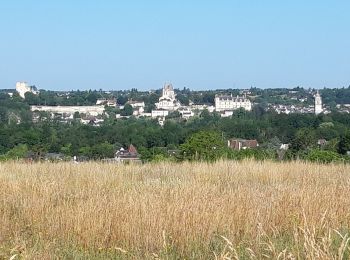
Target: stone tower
318 103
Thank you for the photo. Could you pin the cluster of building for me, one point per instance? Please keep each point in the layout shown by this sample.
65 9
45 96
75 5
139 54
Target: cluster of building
168 103
344 108
225 105
316 109
86 114
293 109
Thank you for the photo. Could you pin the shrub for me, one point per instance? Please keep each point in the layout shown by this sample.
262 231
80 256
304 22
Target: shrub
19 151
323 156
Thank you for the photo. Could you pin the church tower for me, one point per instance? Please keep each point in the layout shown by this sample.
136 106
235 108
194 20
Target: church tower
318 103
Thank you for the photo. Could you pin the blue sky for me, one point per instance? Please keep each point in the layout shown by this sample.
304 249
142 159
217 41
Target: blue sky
107 44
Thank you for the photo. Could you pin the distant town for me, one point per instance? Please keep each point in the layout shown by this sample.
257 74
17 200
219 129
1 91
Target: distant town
171 123
170 102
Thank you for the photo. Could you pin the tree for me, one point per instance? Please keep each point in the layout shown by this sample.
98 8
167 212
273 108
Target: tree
259 110
39 150
344 143
67 150
203 145
121 100
183 99
127 111
19 151
274 143
3 115
103 150
4 96
304 138
85 151
76 115
31 98
92 97
205 114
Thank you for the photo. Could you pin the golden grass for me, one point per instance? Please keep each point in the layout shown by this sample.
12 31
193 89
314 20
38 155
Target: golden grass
225 210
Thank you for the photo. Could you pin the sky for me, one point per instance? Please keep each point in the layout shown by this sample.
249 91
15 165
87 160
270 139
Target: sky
124 44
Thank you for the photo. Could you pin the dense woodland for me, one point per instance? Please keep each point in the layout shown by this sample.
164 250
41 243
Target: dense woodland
191 139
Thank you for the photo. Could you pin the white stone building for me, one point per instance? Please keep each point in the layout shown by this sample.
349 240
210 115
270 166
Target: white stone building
168 99
229 103
88 110
159 113
23 87
186 112
136 104
106 102
201 107
318 103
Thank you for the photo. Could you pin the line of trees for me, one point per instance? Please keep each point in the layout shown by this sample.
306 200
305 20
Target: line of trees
199 138
19 136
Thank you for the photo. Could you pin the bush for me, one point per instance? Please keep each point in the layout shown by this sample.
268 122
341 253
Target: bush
323 156
19 151
257 154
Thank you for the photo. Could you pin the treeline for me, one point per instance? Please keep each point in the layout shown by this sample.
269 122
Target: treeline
19 136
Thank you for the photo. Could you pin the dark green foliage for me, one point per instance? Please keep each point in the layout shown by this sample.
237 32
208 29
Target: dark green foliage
18 152
204 145
183 99
257 154
127 111
304 139
121 100
31 98
323 156
271 130
344 143
102 150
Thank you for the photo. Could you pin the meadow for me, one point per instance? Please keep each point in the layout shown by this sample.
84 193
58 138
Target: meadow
223 210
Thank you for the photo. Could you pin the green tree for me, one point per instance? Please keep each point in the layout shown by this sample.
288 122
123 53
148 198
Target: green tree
92 97
3 115
344 143
121 100
85 151
67 150
19 151
183 99
102 150
127 111
203 145
32 99
76 115
304 139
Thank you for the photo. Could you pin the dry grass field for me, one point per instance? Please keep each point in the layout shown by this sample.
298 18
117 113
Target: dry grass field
225 210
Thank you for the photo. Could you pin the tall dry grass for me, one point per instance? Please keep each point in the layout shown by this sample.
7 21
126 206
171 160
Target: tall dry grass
225 210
